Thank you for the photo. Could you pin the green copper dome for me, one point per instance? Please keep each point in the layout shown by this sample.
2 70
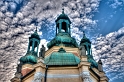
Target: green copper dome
62 58
29 58
63 16
35 35
85 39
63 39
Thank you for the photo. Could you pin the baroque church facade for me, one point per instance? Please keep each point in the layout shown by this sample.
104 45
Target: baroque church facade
64 61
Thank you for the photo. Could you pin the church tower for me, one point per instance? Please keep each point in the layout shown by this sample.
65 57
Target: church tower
64 61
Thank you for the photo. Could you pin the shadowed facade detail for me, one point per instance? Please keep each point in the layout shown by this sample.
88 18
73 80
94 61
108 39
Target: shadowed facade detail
64 61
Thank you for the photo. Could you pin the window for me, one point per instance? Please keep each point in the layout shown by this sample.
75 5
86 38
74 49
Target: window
30 48
64 26
35 46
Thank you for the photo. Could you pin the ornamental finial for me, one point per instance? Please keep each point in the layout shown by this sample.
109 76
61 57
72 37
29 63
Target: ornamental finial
36 29
84 34
36 25
62 10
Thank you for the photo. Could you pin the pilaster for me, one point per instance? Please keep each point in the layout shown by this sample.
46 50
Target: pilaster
40 70
84 69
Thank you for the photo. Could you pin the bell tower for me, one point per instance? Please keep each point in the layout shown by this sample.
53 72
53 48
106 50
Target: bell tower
32 53
63 23
86 43
34 41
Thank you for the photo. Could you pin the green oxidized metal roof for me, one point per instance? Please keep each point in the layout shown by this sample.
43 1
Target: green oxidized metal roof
85 39
62 58
94 64
30 58
63 39
63 16
35 35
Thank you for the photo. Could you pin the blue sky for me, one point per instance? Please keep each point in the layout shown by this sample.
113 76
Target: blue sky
109 17
102 21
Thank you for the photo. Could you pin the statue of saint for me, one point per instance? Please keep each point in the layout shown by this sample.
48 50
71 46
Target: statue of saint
100 68
83 50
19 67
42 51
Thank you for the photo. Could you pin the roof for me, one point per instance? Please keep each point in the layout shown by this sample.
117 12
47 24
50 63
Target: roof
62 58
35 35
30 58
94 64
85 40
63 39
63 16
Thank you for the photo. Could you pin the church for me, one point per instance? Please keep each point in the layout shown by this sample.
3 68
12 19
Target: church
64 61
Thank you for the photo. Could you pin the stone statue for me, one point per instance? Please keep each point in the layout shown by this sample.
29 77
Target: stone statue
42 51
18 73
100 68
19 67
83 50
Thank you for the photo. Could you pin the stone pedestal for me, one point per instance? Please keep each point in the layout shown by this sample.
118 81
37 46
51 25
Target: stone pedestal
103 77
17 77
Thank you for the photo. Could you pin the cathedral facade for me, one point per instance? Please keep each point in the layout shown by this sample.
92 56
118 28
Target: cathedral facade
64 61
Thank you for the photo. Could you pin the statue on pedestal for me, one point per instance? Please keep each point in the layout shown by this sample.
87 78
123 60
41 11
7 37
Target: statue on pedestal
42 52
83 50
100 68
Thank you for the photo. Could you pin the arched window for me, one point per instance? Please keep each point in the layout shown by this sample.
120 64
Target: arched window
64 26
30 45
35 46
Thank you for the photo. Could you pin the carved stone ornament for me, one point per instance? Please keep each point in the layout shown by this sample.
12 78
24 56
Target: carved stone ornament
86 76
38 77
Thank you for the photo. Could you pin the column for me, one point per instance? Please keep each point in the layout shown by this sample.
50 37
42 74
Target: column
69 29
56 29
29 45
37 49
33 45
88 50
40 70
60 27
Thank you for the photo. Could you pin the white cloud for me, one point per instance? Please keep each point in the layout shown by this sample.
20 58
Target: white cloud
17 25
110 49
115 3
